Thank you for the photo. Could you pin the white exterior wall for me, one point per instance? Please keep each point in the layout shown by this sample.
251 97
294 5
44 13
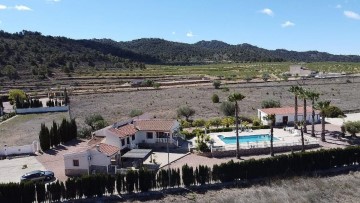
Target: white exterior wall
113 140
291 117
141 137
86 158
98 158
81 156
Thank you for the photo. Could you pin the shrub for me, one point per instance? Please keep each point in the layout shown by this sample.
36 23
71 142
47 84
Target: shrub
226 89
333 112
228 108
199 123
217 84
256 122
270 104
185 124
135 112
215 98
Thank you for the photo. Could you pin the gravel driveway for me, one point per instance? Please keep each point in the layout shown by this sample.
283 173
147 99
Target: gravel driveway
12 169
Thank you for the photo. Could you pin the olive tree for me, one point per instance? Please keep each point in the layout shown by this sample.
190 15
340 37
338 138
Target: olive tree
185 111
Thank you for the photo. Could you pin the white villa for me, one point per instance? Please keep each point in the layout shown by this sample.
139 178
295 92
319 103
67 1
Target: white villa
286 115
104 151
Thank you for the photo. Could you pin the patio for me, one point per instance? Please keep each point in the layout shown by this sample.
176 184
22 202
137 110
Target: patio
287 137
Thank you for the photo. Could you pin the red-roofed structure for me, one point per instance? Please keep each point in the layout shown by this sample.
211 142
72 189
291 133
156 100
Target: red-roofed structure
286 115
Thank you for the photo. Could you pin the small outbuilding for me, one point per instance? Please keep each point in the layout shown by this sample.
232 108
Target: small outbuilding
285 116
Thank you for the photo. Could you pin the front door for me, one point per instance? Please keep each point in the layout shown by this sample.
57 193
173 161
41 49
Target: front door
285 120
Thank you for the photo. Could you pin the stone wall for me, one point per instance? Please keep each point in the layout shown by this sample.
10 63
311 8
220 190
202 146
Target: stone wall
256 151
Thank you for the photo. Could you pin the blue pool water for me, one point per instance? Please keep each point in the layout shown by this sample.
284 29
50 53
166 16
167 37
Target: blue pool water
245 139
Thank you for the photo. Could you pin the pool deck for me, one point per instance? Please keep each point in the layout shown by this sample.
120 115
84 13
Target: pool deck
284 138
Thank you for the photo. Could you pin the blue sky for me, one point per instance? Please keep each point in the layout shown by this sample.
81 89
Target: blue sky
325 25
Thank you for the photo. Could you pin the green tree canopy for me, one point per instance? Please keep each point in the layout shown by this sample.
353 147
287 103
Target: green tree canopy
15 94
95 121
185 111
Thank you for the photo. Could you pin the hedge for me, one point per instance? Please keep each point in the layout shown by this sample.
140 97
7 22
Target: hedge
294 164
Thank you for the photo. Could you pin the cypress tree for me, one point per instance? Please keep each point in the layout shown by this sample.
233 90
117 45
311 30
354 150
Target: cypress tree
73 129
110 184
44 137
119 183
55 133
40 192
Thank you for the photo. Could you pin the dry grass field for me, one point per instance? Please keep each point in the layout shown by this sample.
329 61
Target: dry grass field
163 102
24 129
342 188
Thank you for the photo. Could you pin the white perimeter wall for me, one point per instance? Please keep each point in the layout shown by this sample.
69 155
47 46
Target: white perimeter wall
43 109
16 150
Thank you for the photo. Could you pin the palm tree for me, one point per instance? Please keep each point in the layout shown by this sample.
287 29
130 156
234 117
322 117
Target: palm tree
300 123
235 97
303 95
313 96
295 90
271 119
322 106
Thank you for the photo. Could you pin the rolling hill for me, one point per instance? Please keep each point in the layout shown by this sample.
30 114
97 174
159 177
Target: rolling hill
41 55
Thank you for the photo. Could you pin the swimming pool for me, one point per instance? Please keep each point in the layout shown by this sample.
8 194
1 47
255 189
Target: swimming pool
245 139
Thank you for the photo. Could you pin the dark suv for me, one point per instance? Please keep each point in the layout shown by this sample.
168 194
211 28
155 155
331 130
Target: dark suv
37 176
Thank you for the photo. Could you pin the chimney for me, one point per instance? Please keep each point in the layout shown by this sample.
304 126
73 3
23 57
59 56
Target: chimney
98 147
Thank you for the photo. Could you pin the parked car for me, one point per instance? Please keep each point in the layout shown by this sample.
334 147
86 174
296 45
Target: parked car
37 176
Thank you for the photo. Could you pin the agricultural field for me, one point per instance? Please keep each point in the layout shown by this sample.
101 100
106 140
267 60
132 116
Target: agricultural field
163 103
24 129
92 80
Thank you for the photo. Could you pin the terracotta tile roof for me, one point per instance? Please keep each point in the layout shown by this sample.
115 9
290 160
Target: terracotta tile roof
95 140
288 110
107 149
124 131
155 125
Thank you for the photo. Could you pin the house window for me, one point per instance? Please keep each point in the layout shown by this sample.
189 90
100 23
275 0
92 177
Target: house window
128 140
76 162
122 142
149 135
133 137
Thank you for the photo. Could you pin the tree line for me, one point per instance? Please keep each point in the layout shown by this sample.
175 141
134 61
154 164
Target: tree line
57 134
282 166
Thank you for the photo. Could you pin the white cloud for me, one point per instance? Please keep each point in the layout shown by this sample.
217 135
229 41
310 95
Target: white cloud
267 11
288 24
22 8
190 34
3 7
53 1
352 15
174 33
338 6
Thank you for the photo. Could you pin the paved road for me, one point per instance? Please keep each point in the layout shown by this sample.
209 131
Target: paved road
11 169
